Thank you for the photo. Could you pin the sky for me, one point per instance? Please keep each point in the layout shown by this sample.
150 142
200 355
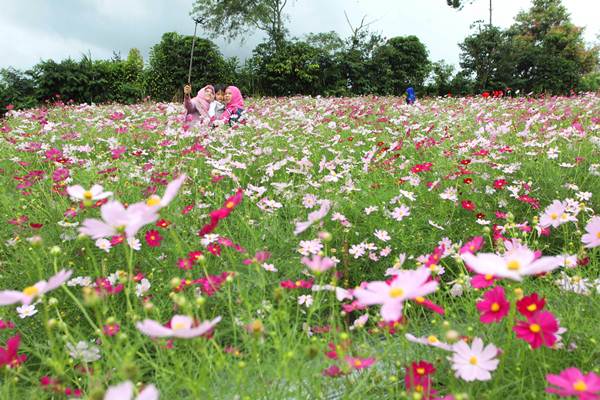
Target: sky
35 30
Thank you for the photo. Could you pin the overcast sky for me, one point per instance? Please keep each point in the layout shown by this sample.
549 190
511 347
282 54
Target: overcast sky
34 30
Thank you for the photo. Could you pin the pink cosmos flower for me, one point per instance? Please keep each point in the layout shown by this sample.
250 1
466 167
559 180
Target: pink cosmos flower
572 382
259 258
31 292
539 329
170 192
153 238
359 363
181 326
95 193
494 306
117 219
475 362
480 281
430 340
472 245
592 237
555 214
513 264
313 217
9 356
318 264
124 391
407 284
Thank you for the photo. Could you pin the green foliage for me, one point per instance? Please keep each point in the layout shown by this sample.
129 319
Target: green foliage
440 79
167 71
17 89
488 56
590 82
401 62
234 18
550 54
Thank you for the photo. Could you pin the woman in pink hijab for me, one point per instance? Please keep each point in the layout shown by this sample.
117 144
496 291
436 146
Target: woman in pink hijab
235 105
197 107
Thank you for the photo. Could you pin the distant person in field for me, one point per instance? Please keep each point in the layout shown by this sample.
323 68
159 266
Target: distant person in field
217 107
234 107
410 96
197 107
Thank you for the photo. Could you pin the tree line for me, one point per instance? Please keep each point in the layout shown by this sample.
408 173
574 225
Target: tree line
541 52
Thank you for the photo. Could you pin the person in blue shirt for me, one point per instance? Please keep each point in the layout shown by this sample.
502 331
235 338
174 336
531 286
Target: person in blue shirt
410 96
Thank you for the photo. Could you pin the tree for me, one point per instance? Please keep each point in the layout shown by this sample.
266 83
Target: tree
550 51
292 69
233 18
168 66
16 88
440 78
401 62
459 4
488 56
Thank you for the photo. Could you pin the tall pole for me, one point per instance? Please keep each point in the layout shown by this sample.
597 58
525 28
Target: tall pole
192 52
490 13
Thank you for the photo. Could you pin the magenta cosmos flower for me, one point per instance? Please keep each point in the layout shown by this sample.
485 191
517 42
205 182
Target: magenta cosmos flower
31 292
118 220
181 326
171 191
475 362
539 329
592 237
514 264
406 285
494 306
95 193
572 382
124 391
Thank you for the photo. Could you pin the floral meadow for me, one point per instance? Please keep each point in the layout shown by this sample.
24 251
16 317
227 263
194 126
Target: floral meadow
327 248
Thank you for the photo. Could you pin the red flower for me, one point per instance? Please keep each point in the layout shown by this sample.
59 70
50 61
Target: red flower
494 306
530 305
418 378
9 356
162 223
499 184
538 330
468 181
468 205
359 363
153 238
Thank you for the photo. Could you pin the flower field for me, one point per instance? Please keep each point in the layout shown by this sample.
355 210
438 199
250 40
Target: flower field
328 248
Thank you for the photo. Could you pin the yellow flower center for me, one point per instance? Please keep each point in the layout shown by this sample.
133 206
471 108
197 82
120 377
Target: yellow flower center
420 371
535 328
580 386
513 265
433 267
419 388
420 299
87 195
230 205
357 363
154 200
473 360
531 307
178 326
488 277
553 215
396 292
495 307
432 339
31 291
598 235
